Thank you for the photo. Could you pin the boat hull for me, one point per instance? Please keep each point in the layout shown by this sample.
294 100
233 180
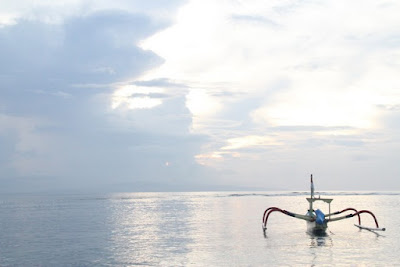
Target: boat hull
316 229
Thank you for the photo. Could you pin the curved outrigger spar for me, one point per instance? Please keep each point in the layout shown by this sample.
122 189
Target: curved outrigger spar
317 221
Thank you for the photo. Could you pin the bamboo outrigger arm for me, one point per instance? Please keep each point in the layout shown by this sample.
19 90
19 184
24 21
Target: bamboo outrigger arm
344 217
359 219
268 211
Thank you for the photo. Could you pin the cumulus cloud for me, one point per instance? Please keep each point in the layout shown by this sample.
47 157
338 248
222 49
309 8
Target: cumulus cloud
57 118
300 74
162 93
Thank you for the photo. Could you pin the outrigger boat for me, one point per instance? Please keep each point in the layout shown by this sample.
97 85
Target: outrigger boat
317 221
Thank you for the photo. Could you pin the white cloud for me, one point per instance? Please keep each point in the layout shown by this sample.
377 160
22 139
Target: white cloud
316 65
236 85
326 49
249 141
320 107
203 106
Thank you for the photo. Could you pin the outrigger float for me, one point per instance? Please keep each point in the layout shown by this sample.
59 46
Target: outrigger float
317 221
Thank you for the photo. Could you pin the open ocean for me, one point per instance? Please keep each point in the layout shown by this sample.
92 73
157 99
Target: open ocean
192 229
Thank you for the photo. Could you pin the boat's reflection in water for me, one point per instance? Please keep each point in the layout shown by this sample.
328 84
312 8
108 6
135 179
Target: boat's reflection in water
320 239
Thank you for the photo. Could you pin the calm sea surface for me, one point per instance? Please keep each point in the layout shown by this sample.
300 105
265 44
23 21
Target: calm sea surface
198 229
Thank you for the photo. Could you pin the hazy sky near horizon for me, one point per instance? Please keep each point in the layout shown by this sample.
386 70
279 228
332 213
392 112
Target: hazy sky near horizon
199 95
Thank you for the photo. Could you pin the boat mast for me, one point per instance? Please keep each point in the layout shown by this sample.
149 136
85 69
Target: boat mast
312 195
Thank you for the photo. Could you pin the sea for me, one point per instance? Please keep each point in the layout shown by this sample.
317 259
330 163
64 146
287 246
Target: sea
193 229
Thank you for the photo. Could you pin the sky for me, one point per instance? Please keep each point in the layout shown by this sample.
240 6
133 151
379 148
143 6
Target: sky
199 95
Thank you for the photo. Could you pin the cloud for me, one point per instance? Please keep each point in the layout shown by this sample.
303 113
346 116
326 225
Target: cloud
254 20
324 69
135 97
289 71
59 80
198 92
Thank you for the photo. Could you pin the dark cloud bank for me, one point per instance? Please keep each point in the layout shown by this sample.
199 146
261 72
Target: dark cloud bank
57 129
